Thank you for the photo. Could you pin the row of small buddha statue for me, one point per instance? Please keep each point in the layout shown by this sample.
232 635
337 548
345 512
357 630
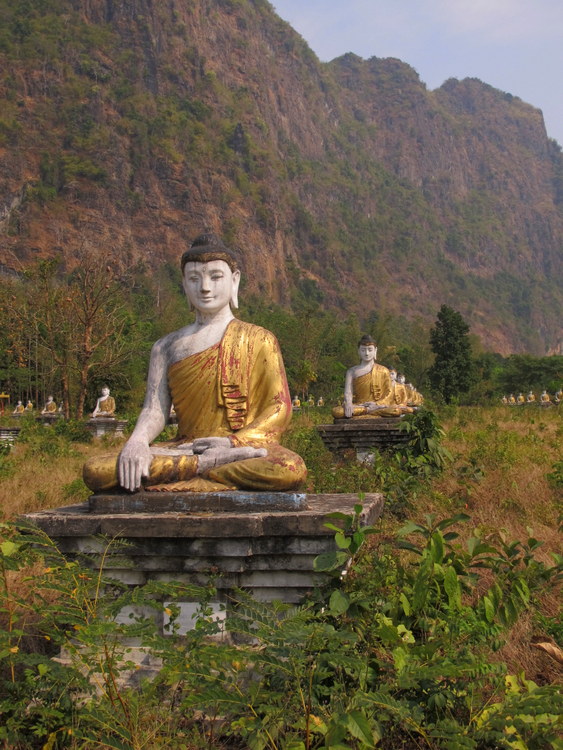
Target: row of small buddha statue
296 402
544 399
105 406
50 407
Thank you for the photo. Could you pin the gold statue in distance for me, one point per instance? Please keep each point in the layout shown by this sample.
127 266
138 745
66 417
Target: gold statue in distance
368 389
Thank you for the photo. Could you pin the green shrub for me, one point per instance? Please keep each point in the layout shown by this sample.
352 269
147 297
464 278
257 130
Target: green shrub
400 652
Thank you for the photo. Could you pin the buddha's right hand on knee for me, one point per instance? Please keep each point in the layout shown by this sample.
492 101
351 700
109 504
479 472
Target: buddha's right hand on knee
133 464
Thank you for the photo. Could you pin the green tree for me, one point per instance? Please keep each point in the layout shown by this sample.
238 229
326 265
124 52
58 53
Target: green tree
70 329
452 372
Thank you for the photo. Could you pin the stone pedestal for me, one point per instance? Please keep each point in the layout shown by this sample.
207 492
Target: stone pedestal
264 543
102 425
49 418
9 434
362 436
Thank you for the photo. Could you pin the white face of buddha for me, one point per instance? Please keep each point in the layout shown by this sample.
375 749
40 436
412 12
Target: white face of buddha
367 352
105 391
210 286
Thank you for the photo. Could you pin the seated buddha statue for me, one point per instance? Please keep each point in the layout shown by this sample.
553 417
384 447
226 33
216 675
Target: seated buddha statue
504 400
559 396
545 398
105 405
227 382
530 398
511 400
415 398
367 387
29 406
20 408
399 390
520 399
50 406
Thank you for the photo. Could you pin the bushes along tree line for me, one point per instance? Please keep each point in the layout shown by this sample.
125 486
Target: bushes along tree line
68 333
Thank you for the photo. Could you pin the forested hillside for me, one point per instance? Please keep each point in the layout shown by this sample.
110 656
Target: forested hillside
129 126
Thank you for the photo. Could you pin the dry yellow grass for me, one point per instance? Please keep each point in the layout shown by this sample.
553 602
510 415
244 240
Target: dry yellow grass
499 477
502 457
39 482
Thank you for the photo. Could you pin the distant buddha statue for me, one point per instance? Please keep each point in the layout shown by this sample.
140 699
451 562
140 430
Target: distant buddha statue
296 403
50 406
227 382
105 405
520 399
310 401
511 400
320 401
367 387
559 396
504 400
414 397
29 406
530 398
399 392
20 408
545 398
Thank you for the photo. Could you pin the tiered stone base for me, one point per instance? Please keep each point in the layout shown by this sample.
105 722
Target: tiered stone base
263 542
102 425
9 434
361 435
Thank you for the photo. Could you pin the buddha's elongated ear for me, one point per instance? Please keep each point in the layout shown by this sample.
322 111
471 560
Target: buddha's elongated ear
234 292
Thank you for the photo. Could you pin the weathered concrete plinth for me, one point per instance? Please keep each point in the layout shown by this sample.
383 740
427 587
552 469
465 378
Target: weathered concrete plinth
240 540
9 434
362 436
50 418
103 425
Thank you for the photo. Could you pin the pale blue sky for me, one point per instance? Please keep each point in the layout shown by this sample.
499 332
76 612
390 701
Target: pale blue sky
514 45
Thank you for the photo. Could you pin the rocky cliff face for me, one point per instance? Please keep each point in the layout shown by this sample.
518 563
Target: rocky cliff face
135 124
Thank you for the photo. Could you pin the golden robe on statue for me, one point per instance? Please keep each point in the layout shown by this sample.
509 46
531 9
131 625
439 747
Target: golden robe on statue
375 387
400 397
106 408
235 389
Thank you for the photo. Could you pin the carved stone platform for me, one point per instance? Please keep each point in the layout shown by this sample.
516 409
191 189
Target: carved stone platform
103 425
362 436
254 545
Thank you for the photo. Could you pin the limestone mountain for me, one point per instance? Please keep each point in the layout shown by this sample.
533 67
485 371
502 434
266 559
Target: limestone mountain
134 124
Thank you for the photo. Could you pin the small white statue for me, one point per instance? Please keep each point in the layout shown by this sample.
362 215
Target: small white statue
105 405
50 406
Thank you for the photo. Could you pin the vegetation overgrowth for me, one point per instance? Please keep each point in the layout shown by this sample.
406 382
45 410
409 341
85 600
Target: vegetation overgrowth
439 636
